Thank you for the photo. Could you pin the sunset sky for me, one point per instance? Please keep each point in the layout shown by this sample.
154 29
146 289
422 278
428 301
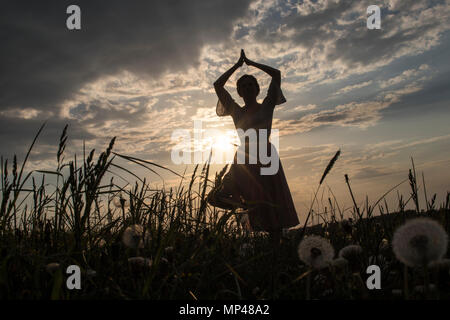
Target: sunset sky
140 70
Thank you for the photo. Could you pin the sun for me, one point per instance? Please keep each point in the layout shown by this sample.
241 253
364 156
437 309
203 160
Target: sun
224 145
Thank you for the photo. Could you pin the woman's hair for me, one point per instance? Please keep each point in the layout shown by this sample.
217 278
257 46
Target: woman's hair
250 77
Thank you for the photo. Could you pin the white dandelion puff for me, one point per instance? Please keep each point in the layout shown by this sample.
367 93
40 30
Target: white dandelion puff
340 263
419 242
132 236
316 252
350 252
353 254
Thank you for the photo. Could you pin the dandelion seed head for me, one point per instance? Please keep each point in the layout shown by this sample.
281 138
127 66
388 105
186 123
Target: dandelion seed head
350 252
419 241
316 252
132 236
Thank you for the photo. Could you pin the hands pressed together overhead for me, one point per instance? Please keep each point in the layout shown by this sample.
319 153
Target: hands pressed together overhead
243 59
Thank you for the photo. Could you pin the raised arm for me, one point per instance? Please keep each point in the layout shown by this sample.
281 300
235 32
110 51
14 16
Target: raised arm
223 95
224 78
274 94
274 73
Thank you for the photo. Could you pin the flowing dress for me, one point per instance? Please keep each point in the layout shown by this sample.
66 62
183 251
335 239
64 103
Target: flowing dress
269 196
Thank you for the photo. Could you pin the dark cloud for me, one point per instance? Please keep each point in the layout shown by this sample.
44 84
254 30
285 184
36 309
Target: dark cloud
42 62
16 136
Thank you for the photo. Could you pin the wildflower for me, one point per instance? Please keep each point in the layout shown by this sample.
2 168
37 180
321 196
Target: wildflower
315 251
419 242
132 236
52 267
140 263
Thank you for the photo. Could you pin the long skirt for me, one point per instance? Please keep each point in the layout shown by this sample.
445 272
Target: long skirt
268 197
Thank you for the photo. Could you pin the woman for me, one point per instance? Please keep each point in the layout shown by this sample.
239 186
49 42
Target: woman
267 197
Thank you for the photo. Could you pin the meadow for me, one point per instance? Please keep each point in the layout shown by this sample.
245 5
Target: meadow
136 242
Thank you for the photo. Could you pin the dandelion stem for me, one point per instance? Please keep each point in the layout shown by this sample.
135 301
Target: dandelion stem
308 285
405 282
426 281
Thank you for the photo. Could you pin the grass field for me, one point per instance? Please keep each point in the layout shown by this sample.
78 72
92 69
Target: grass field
181 248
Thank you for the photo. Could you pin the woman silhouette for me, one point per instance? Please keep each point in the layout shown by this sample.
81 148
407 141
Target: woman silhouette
267 197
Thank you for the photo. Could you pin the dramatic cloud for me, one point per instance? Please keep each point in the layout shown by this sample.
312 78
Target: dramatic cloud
43 63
